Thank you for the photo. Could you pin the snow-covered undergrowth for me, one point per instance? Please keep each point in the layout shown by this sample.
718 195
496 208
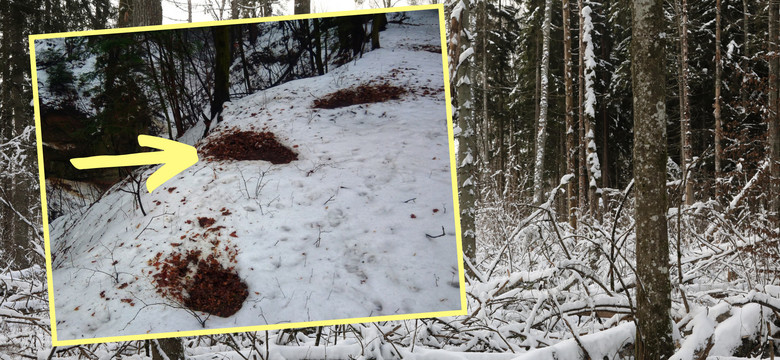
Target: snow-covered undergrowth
571 290
360 225
531 301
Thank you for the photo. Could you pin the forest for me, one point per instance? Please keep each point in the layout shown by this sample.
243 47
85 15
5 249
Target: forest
587 207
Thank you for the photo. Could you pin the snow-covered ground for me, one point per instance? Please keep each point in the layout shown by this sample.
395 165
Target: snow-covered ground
339 233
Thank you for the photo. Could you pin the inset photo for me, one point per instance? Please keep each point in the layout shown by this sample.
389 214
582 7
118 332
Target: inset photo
247 175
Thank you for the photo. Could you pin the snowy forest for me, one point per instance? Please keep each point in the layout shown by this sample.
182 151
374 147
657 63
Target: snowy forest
618 172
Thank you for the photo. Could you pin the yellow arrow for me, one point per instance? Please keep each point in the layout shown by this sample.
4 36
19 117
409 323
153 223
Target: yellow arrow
175 155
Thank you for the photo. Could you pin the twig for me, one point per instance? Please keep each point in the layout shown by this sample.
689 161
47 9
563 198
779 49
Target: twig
385 336
437 236
573 333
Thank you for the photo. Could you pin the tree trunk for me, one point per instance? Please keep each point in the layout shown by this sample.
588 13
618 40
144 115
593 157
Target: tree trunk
15 116
235 8
221 70
773 126
139 13
302 6
541 130
571 139
171 348
685 112
581 150
606 48
375 24
654 331
157 84
462 60
746 55
267 8
587 109
716 106
486 130
318 46
244 63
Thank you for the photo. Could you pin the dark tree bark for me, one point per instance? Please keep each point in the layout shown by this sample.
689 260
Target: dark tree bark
716 106
171 348
571 139
221 70
244 64
267 8
318 46
606 48
377 23
139 13
745 64
773 120
654 331
685 112
157 84
302 6
17 193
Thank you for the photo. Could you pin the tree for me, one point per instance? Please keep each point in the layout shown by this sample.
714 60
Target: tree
302 6
587 109
541 127
581 151
461 56
378 23
16 199
717 108
654 331
167 349
139 13
571 139
221 70
318 46
685 112
773 120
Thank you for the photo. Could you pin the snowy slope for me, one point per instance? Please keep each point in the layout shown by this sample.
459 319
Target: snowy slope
339 233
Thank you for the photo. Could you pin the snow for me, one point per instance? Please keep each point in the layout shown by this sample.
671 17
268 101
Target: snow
730 49
599 345
590 62
339 233
703 326
456 11
566 178
728 335
467 160
465 55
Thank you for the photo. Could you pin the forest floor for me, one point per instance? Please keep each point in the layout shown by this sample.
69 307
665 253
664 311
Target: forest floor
354 220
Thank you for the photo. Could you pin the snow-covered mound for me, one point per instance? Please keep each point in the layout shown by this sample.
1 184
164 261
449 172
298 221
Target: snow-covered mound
349 229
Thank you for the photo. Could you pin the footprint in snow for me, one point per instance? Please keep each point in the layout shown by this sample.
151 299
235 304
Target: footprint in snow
335 217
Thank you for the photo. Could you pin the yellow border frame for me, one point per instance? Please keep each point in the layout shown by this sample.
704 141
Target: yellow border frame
45 216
